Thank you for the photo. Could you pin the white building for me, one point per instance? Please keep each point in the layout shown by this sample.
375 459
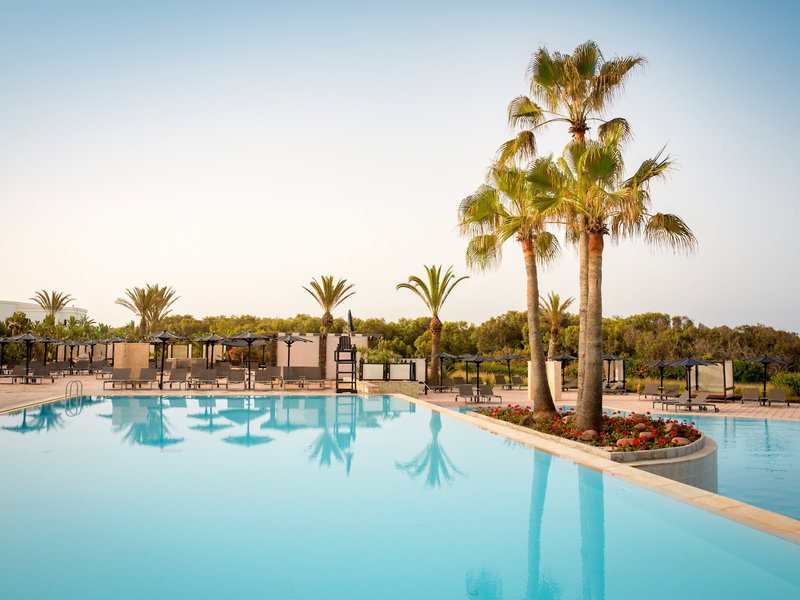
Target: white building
36 313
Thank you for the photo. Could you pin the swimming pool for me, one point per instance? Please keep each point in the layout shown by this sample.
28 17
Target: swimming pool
757 460
340 497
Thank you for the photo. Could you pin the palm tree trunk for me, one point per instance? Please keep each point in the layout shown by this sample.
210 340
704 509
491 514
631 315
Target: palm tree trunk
583 254
143 327
538 390
551 349
590 410
436 336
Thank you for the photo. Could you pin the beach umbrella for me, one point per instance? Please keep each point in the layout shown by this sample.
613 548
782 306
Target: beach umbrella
71 344
687 363
29 339
477 359
47 340
562 358
610 358
163 338
210 339
766 360
91 344
289 340
248 337
661 364
442 356
508 358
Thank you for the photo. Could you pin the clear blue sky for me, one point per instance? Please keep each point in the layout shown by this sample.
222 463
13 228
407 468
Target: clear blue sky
234 150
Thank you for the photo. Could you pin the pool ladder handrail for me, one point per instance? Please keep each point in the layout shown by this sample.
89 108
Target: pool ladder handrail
73 398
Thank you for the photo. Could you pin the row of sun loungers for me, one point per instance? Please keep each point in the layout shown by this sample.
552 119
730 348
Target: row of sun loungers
484 393
304 377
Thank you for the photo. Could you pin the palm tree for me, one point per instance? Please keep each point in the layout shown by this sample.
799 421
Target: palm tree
150 303
493 215
433 293
329 295
163 299
52 302
573 89
555 310
589 181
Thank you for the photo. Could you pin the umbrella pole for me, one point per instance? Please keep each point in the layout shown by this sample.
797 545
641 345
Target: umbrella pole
71 348
248 366
27 361
509 371
163 354
289 354
44 358
765 380
478 377
662 378
91 355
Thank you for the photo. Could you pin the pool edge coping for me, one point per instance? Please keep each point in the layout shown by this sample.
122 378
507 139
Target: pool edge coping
764 520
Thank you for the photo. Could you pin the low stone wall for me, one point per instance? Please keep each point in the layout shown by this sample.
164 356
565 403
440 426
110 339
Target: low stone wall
407 388
694 464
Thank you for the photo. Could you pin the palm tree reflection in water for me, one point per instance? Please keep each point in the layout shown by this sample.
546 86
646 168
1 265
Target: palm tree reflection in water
433 460
47 419
592 509
154 431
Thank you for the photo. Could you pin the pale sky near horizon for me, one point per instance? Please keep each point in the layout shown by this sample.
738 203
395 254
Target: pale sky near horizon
236 150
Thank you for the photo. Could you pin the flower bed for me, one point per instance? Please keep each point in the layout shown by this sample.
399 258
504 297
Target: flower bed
619 433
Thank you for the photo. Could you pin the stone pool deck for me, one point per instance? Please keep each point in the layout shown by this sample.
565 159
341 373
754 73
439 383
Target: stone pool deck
18 396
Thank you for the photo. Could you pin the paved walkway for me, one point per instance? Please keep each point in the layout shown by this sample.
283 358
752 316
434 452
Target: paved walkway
18 396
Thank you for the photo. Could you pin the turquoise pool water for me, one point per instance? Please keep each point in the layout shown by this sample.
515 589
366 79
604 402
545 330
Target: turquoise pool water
758 460
340 497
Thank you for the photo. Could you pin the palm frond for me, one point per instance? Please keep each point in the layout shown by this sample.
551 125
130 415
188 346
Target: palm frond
670 232
522 147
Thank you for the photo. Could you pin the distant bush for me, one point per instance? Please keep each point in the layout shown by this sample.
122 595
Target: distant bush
790 381
747 372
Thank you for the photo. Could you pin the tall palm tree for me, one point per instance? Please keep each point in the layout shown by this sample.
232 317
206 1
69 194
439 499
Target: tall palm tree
589 181
573 89
163 298
329 295
495 213
433 293
52 302
555 310
150 303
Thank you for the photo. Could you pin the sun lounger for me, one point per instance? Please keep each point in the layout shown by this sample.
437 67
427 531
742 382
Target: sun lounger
458 381
293 375
18 374
121 377
616 388
649 389
467 392
81 366
177 377
235 377
699 402
146 377
500 381
777 395
204 377
750 393
569 384
43 372
313 377
517 382
485 391
263 376
664 402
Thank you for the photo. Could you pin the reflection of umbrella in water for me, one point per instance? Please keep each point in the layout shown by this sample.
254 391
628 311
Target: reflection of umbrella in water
29 339
154 431
22 427
661 364
508 358
248 337
477 359
244 416
287 403
441 356
163 337
208 415
289 340
766 360
433 460
688 363
210 339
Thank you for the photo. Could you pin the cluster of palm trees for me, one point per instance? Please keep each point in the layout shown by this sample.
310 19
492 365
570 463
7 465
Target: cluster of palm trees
586 193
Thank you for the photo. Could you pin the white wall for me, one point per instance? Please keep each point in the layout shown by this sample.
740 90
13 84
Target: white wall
35 312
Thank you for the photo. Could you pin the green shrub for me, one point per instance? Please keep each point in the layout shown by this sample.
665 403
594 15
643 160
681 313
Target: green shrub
747 372
790 381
